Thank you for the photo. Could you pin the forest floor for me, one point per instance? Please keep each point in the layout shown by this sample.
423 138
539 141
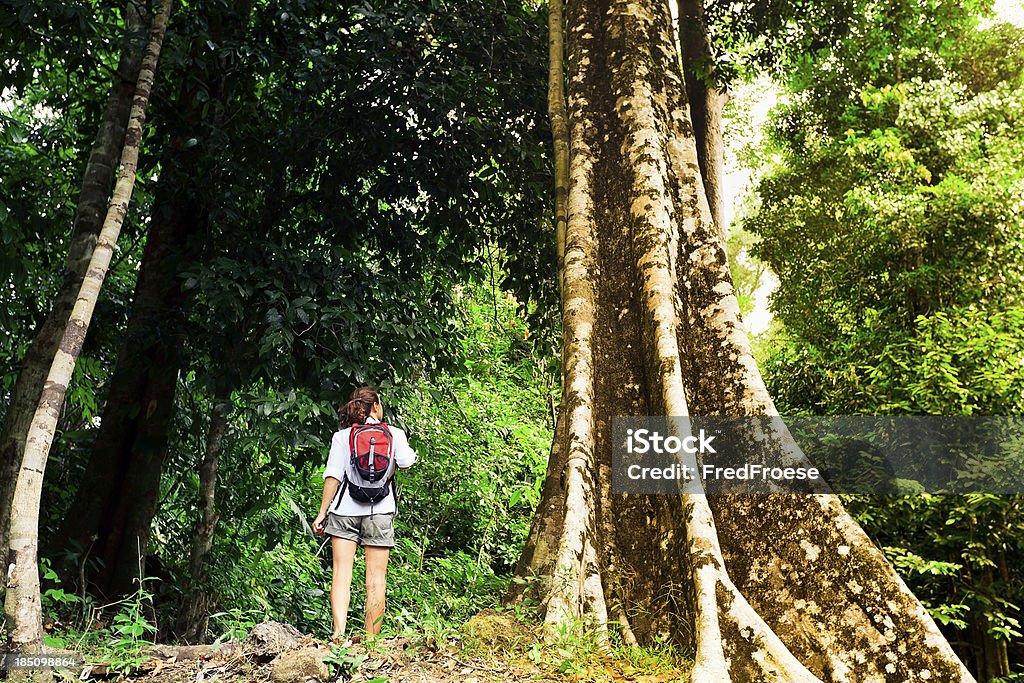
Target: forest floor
493 649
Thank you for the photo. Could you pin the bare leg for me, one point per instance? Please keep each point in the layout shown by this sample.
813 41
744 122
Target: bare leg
376 582
343 553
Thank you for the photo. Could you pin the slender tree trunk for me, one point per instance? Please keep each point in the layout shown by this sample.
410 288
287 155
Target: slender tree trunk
97 182
119 492
559 124
195 614
763 588
22 603
707 101
990 653
539 544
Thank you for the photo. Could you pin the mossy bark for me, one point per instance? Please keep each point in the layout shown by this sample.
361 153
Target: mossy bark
783 587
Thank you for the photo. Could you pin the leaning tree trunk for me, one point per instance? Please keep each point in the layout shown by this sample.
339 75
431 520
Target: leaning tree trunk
195 613
707 99
118 495
97 181
782 587
22 606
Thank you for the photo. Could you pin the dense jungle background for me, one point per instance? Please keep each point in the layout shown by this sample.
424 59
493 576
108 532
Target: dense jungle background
332 194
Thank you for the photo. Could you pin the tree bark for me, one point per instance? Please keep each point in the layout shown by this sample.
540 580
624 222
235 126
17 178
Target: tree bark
559 124
119 492
97 182
537 551
22 606
707 99
195 613
781 587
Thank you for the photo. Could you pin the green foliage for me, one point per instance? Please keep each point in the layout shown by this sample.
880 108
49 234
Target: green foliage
54 599
485 435
916 205
41 40
958 553
115 638
893 220
408 135
828 50
56 62
458 536
343 663
345 163
747 273
351 172
350 169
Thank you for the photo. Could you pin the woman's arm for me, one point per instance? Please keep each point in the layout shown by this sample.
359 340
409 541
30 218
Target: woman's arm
333 474
330 489
405 456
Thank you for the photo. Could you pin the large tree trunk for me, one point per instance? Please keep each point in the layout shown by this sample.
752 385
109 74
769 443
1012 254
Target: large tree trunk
195 613
22 606
707 99
110 517
118 495
97 182
782 587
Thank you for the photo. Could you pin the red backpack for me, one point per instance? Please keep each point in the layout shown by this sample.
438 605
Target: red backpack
371 467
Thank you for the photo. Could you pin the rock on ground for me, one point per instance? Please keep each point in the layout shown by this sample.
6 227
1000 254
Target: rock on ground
493 630
296 666
270 639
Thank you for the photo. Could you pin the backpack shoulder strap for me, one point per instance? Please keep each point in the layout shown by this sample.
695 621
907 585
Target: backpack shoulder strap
352 440
340 494
394 492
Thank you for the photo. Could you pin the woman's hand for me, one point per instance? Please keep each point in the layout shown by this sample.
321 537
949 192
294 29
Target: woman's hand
318 524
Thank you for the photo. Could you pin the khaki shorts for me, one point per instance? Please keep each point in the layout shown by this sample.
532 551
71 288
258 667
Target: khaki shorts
373 530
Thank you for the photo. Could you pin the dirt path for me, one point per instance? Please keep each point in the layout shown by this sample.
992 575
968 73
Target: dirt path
491 648
399 661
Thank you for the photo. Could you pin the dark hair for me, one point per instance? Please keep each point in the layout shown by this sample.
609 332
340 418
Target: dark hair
358 408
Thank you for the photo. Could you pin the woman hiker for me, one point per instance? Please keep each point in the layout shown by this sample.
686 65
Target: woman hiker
359 504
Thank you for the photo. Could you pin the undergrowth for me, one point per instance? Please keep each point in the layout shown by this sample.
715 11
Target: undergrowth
574 650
